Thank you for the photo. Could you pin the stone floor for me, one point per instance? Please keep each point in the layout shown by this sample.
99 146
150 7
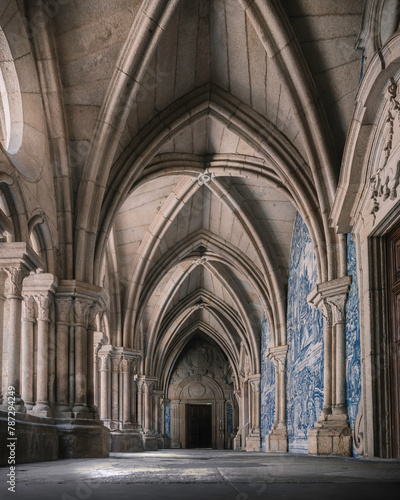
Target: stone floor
205 475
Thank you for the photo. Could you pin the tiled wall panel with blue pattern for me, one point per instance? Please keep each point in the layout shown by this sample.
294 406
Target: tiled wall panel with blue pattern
267 384
353 348
305 339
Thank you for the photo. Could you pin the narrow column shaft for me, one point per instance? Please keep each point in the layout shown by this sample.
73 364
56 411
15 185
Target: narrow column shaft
81 310
27 353
114 389
282 395
14 349
133 400
327 409
140 404
90 368
104 390
43 362
42 391
126 376
341 366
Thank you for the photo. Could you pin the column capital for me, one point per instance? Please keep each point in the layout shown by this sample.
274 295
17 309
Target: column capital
63 308
330 298
278 355
29 308
147 383
255 381
15 278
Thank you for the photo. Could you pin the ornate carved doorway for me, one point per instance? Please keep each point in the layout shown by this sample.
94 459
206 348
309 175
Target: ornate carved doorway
199 426
394 336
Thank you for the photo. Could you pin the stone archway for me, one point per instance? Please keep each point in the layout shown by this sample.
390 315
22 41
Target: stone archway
201 377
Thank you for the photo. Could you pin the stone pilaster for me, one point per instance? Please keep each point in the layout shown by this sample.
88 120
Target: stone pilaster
253 440
332 433
277 438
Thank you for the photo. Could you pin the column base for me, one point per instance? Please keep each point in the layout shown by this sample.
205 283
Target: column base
332 436
277 441
41 410
167 441
37 439
175 443
126 441
160 442
237 443
83 439
150 442
253 442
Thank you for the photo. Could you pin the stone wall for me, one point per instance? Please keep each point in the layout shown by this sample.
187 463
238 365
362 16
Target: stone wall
305 340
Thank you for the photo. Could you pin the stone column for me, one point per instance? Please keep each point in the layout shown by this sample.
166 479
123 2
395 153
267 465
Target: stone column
277 439
91 375
42 407
139 385
332 434
253 440
126 393
166 439
14 297
63 311
27 351
104 386
2 301
115 362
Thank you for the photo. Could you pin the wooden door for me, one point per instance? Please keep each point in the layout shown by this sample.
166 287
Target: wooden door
198 426
393 263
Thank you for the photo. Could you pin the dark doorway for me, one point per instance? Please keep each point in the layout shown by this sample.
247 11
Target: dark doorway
198 426
394 336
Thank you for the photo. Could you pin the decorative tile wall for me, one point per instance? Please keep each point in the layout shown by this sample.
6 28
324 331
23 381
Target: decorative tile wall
305 338
353 347
167 417
267 384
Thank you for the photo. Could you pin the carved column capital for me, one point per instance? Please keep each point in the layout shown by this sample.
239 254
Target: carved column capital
330 298
63 308
115 363
43 301
81 311
278 356
125 365
29 308
254 381
15 278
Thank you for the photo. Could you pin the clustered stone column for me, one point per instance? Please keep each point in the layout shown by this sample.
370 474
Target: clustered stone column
277 439
332 433
27 351
237 439
80 431
117 400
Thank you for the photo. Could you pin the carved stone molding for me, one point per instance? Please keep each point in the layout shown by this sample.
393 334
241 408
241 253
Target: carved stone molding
125 365
385 180
115 362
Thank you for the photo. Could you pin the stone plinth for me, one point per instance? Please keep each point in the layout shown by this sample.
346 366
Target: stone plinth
83 439
330 437
150 442
128 441
37 438
276 441
253 442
